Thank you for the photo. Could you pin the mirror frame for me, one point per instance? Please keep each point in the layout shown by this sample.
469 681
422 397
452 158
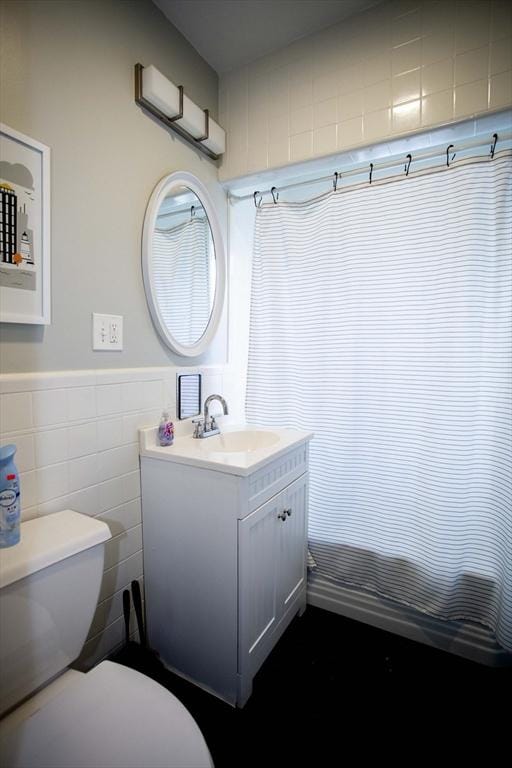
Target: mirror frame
162 189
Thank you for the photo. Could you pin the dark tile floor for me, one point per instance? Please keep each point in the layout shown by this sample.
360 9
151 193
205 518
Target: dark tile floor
332 684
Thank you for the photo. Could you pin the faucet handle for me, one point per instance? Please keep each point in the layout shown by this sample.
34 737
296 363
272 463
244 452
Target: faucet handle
199 427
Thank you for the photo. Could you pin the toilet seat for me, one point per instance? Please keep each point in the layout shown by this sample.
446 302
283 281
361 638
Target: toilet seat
111 717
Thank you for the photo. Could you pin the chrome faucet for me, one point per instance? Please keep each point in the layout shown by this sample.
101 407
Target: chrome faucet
208 427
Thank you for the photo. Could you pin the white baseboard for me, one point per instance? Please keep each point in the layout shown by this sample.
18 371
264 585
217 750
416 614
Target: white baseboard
463 639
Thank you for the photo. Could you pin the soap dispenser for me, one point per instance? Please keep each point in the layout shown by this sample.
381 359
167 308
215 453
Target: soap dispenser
165 430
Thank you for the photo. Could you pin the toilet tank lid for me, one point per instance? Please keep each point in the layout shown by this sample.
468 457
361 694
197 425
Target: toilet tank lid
47 540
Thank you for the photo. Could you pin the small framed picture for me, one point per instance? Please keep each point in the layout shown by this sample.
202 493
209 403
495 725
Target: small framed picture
189 395
24 229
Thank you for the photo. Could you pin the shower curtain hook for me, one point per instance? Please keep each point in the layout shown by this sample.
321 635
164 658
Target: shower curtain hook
335 180
275 194
450 146
408 164
371 172
258 203
493 145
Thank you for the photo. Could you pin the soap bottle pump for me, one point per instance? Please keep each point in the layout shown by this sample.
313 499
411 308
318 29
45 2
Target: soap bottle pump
165 430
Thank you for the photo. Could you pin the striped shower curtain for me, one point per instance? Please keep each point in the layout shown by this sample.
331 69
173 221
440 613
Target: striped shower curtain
381 320
181 278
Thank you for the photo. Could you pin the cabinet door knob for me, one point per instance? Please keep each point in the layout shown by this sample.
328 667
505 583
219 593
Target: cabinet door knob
282 516
287 512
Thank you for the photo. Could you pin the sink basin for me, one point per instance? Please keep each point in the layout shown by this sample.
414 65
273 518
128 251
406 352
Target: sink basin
238 450
242 441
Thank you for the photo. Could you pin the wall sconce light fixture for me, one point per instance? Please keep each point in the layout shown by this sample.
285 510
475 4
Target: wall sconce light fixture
167 102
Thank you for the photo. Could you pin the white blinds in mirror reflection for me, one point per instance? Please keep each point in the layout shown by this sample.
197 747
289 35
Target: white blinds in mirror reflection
181 273
381 320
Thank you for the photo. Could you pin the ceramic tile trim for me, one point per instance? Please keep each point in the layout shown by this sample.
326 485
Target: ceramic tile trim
395 69
77 439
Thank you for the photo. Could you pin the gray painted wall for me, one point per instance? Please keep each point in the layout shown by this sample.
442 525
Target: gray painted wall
67 81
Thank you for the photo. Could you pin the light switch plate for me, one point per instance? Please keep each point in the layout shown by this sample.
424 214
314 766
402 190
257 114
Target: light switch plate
107 332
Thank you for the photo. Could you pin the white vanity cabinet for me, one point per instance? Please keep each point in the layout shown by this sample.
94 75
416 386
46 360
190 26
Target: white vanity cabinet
224 561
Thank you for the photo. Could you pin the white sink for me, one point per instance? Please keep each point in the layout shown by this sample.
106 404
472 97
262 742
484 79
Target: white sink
237 450
242 441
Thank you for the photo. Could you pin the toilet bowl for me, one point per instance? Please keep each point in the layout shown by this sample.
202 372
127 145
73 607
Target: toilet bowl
109 717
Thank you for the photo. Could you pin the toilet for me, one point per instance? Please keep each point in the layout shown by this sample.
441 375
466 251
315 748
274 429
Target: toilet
55 717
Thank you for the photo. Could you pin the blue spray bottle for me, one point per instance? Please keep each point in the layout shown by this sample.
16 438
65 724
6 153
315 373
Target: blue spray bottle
9 498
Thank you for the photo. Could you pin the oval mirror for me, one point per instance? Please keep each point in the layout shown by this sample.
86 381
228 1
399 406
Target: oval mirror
183 263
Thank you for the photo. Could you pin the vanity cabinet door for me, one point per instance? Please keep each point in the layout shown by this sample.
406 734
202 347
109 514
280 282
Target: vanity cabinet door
258 543
272 569
291 556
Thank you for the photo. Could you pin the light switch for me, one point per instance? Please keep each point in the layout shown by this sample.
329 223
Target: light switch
107 332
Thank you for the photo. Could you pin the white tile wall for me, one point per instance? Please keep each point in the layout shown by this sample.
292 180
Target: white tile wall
397 68
77 447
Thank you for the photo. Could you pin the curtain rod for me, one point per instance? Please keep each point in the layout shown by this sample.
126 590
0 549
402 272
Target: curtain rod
371 167
193 210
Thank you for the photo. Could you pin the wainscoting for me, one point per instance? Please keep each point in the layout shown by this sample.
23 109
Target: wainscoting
77 439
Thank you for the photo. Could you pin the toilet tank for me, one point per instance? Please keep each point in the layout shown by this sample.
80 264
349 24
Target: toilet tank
49 587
